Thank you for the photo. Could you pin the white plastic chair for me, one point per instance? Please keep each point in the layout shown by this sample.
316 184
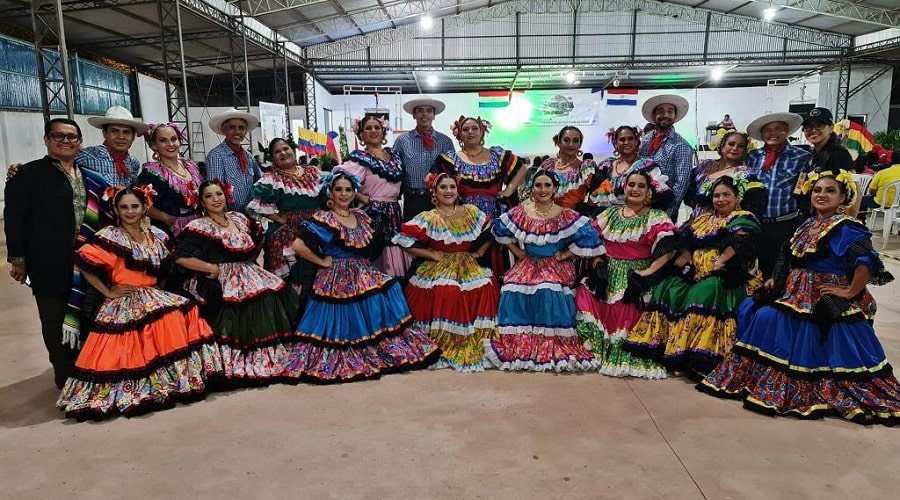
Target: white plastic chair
889 211
862 183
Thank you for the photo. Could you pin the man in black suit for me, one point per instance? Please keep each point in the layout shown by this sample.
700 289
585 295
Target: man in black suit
46 216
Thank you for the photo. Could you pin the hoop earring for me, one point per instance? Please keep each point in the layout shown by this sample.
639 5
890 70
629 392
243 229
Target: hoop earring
842 209
329 204
384 142
434 201
155 156
579 153
460 144
481 142
648 201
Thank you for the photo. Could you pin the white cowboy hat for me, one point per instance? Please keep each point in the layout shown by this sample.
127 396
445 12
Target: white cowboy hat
680 103
424 100
793 121
215 123
119 116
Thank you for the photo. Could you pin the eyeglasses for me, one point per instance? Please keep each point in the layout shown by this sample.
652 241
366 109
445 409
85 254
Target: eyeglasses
65 138
814 126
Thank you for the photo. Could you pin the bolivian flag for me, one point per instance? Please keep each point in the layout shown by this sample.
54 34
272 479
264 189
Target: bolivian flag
858 137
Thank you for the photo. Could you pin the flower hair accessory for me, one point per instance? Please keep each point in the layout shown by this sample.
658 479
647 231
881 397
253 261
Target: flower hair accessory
843 176
182 136
456 129
357 122
329 178
190 195
434 178
716 139
148 193
227 188
738 180
110 193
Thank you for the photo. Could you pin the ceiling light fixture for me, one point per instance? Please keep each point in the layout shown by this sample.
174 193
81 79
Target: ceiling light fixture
570 77
427 22
716 74
769 13
431 80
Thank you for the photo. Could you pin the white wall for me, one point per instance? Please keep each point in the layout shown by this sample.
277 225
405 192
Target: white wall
874 100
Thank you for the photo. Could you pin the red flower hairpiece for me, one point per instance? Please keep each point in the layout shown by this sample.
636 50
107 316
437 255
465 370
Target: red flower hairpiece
433 178
227 188
148 193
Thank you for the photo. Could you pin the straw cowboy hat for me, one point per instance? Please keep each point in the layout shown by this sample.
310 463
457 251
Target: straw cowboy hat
680 103
424 100
119 116
215 123
793 121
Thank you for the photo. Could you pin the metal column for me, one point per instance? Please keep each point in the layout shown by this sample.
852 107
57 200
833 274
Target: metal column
52 58
173 68
843 88
310 83
282 84
240 78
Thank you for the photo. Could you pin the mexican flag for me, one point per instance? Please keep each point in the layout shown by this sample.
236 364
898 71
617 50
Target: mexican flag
496 98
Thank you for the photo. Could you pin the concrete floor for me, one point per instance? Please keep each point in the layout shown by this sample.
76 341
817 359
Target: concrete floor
435 435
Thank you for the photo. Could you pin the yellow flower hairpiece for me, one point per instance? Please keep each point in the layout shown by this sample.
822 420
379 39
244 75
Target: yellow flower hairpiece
843 176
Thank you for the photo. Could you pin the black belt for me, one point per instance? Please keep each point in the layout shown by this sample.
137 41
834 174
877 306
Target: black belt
782 218
419 192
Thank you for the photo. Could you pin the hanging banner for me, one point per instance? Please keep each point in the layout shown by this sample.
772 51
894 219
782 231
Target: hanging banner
272 121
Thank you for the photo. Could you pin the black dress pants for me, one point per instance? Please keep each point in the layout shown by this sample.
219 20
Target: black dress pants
52 311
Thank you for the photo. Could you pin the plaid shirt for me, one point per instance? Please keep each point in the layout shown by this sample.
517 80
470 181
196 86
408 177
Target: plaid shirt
97 159
417 161
781 179
675 158
222 163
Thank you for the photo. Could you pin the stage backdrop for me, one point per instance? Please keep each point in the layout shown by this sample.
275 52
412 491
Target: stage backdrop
525 121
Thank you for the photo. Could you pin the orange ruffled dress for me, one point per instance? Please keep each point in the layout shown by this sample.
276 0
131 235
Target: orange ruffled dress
146 350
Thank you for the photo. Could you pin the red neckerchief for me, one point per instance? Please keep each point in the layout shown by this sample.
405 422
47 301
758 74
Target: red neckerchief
119 160
427 137
242 156
656 142
771 157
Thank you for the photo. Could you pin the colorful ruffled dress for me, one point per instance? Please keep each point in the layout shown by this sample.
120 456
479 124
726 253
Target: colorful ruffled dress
295 197
537 307
381 182
480 185
808 356
356 324
631 245
689 324
251 310
146 350
454 300
174 195
573 191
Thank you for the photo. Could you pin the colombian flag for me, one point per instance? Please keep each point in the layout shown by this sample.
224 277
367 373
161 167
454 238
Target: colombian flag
312 143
